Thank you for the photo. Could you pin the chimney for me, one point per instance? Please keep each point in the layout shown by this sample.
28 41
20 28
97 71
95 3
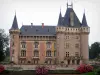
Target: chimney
42 25
31 23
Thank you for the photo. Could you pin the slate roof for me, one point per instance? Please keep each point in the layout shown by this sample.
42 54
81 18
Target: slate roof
15 24
84 22
65 21
37 30
60 19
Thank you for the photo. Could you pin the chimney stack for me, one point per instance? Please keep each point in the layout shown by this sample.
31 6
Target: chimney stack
42 25
31 23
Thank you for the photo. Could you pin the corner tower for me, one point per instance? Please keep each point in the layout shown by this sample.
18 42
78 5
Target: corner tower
72 38
85 30
14 41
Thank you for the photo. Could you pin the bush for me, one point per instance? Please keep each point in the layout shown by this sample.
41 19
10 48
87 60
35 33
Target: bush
84 68
41 70
97 71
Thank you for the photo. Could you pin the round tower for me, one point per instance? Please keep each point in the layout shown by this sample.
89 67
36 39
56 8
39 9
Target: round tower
14 41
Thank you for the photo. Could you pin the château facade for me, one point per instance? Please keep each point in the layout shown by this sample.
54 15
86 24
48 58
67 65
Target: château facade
66 43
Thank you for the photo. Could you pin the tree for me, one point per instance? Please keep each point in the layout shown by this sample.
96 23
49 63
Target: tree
4 42
94 50
7 52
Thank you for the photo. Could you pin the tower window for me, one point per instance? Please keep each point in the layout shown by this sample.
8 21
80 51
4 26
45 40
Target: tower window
76 45
13 51
67 37
67 54
67 45
76 53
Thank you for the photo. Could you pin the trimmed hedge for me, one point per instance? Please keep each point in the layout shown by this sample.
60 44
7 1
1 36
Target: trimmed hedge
33 72
63 72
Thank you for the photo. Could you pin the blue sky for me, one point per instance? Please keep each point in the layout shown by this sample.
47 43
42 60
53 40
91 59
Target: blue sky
47 12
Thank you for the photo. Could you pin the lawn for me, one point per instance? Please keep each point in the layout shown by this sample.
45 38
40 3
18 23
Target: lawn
89 73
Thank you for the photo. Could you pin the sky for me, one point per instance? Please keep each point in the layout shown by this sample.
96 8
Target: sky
47 12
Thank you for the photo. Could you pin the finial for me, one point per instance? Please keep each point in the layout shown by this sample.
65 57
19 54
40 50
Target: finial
72 4
67 3
84 11
15 12
60 9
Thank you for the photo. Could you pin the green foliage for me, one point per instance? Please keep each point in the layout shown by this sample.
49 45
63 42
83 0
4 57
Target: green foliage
94 50
63 72
97 71
3 43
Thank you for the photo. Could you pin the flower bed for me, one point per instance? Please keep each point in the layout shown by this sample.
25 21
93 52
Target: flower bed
84 68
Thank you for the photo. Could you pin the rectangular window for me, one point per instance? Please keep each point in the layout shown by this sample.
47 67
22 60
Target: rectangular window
76 53
23 53
13 51
54 45
76 45
48 45
67 54
54 53
36 53
48 53
36 45
67 45
23 44
35 61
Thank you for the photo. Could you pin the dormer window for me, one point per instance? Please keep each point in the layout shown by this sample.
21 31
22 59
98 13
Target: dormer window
71 18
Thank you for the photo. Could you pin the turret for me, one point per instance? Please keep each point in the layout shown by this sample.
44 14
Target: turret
14 41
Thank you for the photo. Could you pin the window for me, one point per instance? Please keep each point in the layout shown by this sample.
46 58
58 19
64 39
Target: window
23 53
76 45
54 45
36 45
48 53
13 36
67 37
54 53
76 53
67 45
36 53
13 44
35 61
48 45
77 37
67 54
13 51
71 18
23 44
